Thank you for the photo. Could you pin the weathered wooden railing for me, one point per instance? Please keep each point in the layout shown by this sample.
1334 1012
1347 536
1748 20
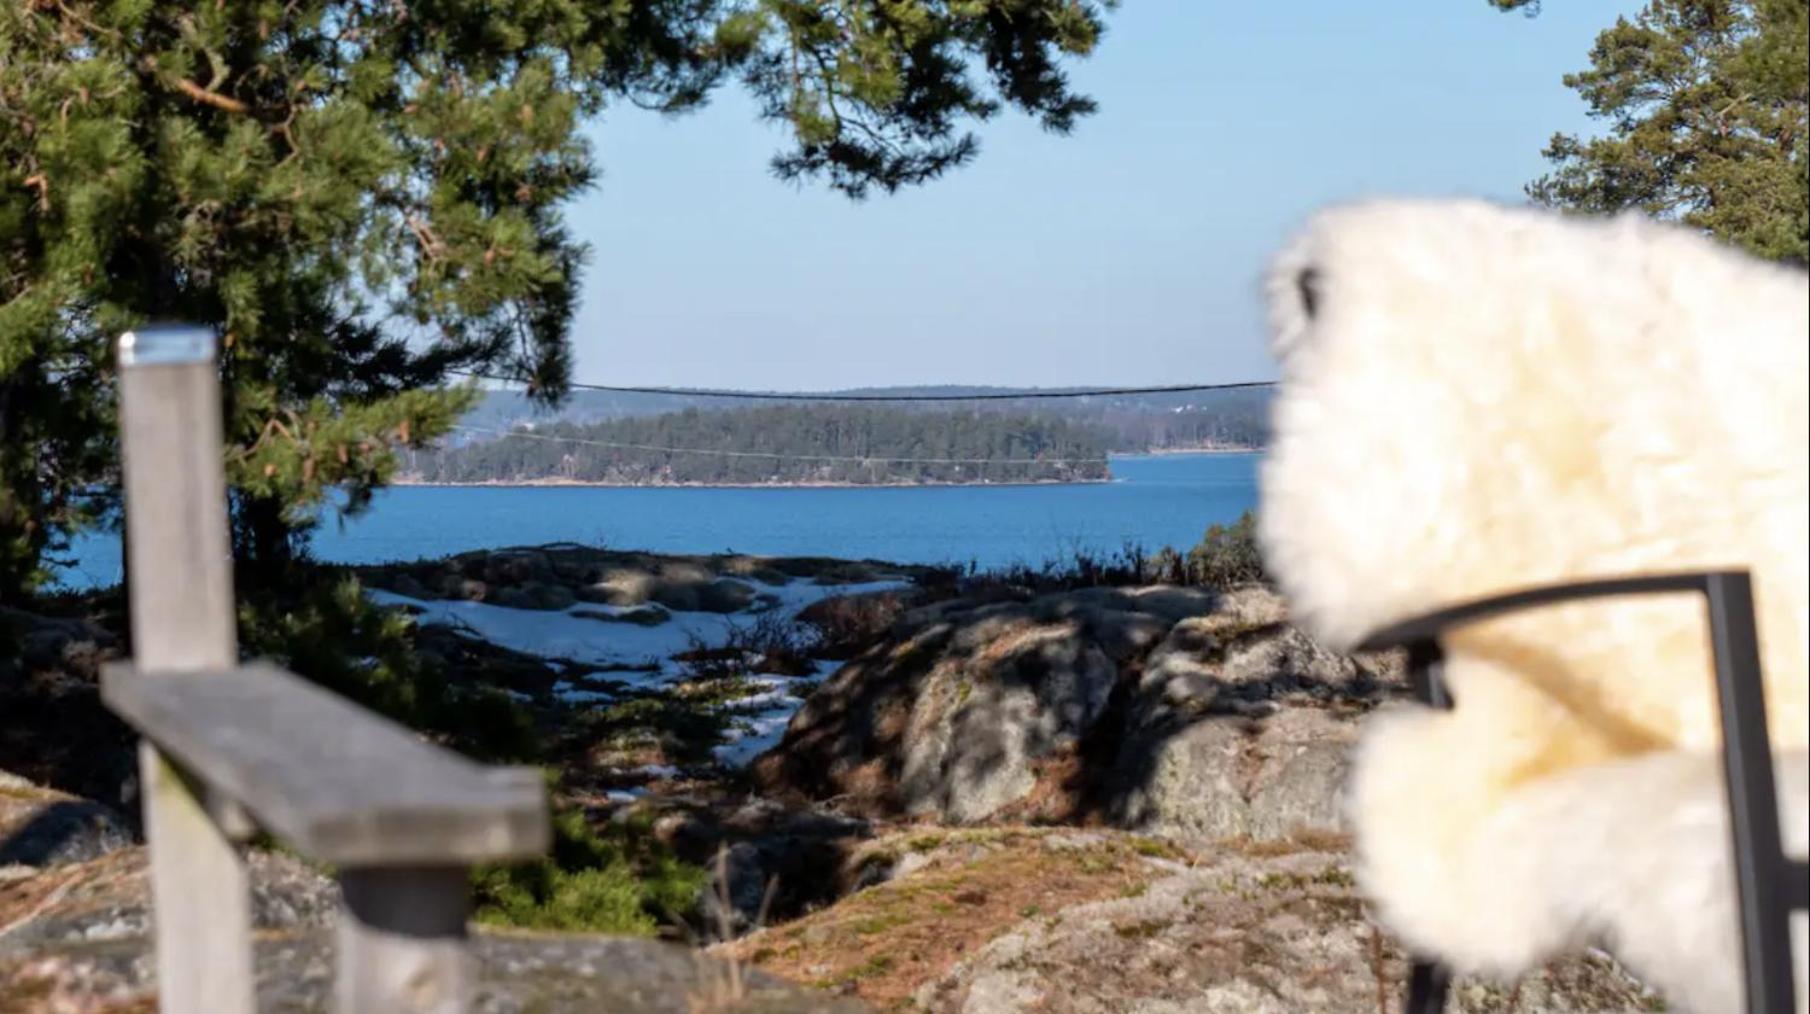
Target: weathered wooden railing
230 748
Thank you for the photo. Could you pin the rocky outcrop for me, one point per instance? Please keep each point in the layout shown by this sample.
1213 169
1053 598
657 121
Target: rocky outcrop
77 938
42 827
53 725
952 715
1197 739
69 644
1238 725
1001 920
107 901
516 975
1167 709
1251 931
558 576
766 863
54 731
942 894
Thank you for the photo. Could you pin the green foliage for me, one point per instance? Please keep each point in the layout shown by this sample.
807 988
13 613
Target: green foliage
875 91
51 450
847 625
1137 423
774 643
682 729
1226 420
1705 103
325 629
623 883
1227 555
1079 568
365 198
855 440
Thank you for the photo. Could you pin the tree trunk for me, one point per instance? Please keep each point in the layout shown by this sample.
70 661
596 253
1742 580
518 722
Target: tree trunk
266 547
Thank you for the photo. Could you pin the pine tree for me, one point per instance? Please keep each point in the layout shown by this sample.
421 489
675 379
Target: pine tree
364 198
1705 102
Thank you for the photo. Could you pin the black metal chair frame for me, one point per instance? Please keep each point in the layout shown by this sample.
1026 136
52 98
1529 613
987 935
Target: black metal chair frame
1769 885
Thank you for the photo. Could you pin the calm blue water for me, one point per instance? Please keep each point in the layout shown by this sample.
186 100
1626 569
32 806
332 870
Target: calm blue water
1157 501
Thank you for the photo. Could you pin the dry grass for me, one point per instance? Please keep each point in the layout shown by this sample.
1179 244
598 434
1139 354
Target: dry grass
880 945
726 985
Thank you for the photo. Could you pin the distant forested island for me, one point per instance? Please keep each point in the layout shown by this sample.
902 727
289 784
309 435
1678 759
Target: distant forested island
838 444
1133 422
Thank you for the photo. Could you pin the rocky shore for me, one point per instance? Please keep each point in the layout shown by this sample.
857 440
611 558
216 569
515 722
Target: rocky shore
902 791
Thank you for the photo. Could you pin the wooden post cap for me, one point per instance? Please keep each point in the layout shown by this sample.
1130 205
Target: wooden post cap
158 344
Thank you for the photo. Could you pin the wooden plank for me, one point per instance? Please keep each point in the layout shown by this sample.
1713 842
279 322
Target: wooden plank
402 941
337 782
179 563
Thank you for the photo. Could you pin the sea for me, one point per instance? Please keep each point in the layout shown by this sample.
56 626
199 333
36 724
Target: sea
1152 501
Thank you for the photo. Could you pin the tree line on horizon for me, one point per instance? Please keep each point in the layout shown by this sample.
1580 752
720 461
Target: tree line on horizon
1212 420
840 444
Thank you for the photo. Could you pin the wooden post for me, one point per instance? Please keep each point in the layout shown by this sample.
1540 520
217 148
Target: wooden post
181 603
402 947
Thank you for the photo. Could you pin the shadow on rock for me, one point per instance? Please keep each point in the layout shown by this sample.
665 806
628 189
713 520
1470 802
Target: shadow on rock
1166 709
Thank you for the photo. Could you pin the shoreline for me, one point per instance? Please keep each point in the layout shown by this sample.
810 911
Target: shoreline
552 483
588 484
1178 452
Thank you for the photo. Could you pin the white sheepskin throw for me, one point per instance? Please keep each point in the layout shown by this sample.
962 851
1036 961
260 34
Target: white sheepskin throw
1477 399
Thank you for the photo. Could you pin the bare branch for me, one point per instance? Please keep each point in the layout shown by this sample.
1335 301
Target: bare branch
225 103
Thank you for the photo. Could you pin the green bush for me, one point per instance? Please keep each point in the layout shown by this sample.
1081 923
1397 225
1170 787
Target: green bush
626 883
1227 556
619 881
542 896
324 629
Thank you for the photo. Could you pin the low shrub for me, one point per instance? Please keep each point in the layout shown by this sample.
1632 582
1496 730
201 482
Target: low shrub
849 624
773 644
323 628
1226 556
620 880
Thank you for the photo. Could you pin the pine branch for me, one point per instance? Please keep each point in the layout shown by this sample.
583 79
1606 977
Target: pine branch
430 243
225 103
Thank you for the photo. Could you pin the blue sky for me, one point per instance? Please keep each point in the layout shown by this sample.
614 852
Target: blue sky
1126 253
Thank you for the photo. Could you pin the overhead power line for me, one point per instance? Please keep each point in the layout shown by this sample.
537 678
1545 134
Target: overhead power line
1097 392
771 456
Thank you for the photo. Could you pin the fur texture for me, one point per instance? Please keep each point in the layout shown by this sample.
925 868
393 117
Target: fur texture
1477 399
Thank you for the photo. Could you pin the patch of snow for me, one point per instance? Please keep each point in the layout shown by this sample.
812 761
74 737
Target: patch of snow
753 735
561 635
766 700
625 795
760 720
565 691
